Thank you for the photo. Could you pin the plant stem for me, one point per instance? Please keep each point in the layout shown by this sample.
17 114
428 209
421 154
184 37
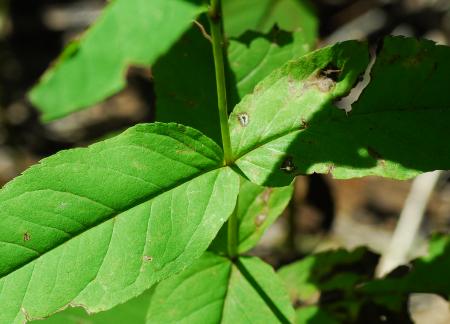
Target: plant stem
218 48
215 21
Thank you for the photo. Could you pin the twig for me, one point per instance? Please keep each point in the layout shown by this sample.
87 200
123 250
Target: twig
203 31
409 223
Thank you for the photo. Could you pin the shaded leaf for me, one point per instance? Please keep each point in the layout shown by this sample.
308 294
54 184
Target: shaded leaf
294 127
189 95
128 32
327 271
313 314
253 56
185 85
133 311
428 274
340 285
215 290
323 285
98 226
262 15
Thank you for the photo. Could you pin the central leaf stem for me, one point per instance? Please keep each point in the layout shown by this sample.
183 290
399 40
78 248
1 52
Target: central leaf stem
218 49
215 21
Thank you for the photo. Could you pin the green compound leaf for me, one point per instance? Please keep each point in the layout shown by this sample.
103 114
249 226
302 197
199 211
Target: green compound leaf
290 124
97 226
128 32
133 311
258 208
261 15
215 290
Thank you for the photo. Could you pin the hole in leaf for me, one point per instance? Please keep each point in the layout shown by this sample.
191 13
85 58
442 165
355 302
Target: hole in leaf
331 71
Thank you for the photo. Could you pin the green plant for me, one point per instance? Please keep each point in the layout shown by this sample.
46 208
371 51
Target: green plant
96 227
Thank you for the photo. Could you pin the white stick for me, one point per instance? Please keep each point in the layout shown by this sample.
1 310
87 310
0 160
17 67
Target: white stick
409 223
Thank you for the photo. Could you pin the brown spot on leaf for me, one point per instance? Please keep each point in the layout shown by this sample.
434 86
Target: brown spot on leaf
304 124
148 258
259 220
325 84
266 195
320 81
26 236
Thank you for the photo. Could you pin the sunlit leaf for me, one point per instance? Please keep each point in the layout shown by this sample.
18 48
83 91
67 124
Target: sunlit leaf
215 290
258 208
93 68
97 226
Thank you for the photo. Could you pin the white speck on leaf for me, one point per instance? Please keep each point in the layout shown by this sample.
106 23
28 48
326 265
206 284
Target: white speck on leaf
243 119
